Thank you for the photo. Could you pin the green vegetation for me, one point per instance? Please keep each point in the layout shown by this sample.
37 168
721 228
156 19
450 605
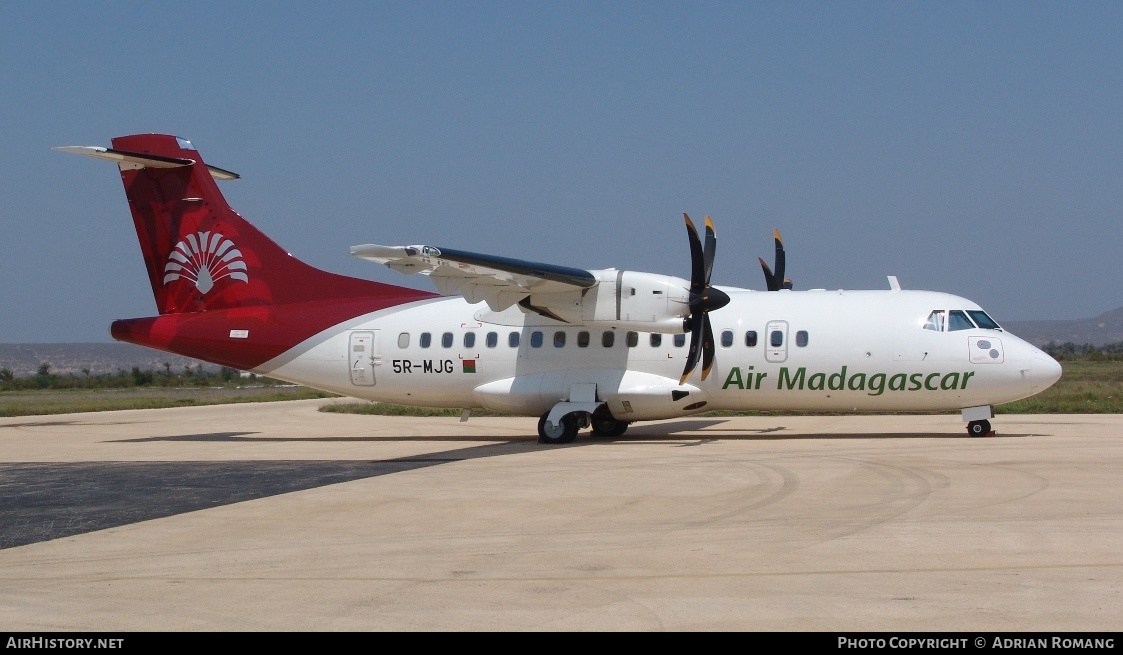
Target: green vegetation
1063 352
1088 386
50 393
1092 382
387 409
65 402
188 377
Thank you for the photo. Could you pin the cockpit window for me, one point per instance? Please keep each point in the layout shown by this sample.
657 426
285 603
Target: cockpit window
936 321
983 320
959 321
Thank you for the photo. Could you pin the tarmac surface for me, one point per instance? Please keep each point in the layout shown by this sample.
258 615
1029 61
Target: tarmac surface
277 517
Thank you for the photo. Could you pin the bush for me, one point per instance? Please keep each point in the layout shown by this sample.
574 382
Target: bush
1069 351
141 378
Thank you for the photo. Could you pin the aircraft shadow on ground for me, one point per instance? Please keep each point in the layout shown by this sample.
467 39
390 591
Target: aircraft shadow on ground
639 433
45 501
40 501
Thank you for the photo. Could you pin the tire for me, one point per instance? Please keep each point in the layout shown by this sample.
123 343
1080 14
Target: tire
564 432
978 428
608 427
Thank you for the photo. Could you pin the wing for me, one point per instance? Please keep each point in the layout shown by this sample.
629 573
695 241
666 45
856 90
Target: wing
498 281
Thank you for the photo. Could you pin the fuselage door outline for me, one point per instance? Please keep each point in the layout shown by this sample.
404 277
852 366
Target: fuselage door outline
363 357
776 341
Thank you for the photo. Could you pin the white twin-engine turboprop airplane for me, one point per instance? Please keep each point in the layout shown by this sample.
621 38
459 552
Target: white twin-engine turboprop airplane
576 348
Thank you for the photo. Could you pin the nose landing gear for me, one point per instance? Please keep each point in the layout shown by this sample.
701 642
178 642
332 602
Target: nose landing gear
979 429
978 424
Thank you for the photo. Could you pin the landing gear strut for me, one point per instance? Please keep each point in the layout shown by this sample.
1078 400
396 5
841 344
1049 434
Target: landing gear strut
978 428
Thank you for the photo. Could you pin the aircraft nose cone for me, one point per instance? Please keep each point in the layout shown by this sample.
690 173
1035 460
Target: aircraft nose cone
1045 371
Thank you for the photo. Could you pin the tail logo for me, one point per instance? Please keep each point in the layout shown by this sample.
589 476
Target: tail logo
205 258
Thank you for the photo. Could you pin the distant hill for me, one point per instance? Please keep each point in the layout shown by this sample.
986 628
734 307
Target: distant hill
1105 328
24 359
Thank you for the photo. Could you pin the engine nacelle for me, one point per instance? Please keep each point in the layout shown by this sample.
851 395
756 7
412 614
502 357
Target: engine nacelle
626 300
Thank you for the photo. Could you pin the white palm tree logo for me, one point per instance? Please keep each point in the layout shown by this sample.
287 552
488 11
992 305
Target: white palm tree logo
205 258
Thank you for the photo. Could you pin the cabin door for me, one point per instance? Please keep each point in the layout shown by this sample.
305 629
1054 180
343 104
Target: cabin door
363 357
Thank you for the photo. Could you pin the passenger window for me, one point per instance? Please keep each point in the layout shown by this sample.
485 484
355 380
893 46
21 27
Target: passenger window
776 338
983 320
446 340
559 339
801 338
750 338
680 340
633 339
608 338
426 339
492 339
582 339
403 340
513 339
469 339
935 321
726 338
656 339
957 320
536 339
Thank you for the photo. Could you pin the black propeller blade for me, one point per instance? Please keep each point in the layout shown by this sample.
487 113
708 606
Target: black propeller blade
703 299
776 281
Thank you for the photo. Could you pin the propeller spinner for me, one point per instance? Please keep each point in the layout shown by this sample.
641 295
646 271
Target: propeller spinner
703 300
776 281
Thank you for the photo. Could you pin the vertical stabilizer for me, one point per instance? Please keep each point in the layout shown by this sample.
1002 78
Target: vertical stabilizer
199 253
226 293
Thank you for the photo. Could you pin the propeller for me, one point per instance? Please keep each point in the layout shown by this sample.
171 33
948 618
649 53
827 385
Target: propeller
703 300
776 281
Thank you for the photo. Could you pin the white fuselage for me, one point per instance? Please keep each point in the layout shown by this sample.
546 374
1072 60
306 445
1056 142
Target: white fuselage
813 350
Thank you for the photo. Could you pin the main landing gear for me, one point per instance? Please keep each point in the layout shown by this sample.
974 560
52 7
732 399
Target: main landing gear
603 425
563 432
979 429
606 426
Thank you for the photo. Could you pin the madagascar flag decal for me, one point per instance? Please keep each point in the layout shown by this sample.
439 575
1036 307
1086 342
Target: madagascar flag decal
469 366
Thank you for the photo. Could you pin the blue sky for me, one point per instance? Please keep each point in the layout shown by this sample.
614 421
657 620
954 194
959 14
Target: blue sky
973 147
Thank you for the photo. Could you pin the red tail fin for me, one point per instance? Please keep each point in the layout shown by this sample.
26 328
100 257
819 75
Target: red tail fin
200 254
226 292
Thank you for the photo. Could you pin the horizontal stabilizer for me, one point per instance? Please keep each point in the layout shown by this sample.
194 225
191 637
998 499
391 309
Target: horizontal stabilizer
132 160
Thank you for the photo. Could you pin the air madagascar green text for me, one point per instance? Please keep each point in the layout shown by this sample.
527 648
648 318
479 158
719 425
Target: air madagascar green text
873 384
